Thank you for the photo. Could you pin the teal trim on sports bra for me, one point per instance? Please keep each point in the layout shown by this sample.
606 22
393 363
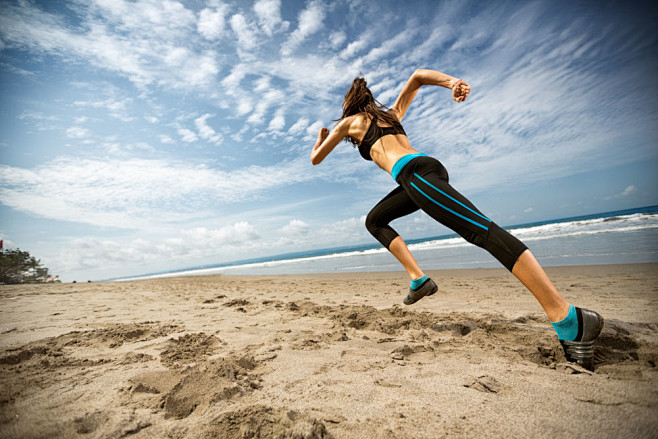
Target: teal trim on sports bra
402 162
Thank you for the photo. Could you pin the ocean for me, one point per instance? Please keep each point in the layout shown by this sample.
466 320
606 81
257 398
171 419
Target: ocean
619 237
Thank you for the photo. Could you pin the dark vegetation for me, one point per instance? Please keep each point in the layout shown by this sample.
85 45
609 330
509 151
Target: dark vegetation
17 266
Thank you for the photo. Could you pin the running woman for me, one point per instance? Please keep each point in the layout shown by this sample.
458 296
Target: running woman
423 184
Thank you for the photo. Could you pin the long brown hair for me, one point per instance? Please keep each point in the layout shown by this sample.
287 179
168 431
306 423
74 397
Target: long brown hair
359 99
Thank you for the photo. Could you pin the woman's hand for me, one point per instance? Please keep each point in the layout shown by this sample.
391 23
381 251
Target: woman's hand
327 140
460 90
322 134
316 155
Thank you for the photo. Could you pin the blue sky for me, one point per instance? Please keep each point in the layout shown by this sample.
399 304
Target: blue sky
139 136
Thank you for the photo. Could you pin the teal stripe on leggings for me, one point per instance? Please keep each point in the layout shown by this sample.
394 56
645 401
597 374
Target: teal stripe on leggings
456 201
448 209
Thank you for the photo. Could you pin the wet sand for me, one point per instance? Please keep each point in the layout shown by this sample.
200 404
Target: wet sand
326 356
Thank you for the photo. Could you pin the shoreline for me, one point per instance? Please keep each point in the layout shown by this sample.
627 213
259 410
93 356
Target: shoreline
333 354
383 273
541 233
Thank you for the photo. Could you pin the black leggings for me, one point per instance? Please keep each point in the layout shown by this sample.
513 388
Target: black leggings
424 185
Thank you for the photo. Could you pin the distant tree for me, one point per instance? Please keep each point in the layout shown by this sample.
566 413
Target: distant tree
42 274
18 266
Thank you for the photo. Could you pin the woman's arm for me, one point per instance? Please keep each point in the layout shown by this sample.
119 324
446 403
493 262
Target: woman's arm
460 89
327 141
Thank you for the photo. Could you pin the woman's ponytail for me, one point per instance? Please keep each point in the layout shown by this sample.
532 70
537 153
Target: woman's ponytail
359 99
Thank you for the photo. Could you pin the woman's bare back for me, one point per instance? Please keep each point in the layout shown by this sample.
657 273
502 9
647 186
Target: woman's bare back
386 150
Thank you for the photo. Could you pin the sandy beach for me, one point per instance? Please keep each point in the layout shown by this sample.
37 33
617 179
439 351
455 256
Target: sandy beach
335 356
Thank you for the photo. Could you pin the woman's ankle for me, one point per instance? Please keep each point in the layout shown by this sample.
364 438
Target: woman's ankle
558 313
416 283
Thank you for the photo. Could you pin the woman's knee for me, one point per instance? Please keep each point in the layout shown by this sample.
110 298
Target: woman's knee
371 222
380 229
375 220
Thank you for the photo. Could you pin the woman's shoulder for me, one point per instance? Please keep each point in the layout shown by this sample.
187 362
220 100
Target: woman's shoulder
354 126
357 120
359 117
395 112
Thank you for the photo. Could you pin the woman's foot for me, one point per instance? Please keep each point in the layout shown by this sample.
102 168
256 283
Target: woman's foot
427 288
579 347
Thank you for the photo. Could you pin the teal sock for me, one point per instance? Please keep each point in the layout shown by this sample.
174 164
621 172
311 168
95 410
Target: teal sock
418 282
567 329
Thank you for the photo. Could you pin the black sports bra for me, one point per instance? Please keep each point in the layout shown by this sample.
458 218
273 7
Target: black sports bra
374 133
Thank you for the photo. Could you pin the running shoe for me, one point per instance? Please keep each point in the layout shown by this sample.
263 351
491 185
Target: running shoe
426 289
581 350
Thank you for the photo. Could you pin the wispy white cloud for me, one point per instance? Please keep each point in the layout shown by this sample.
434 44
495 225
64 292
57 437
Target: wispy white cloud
138 193
206 132
346 230
13 69
356 46
77 132
310 21
278 122
165 139
234 234
299 126
145 57
112 105
212 22
233 79
295 228
391 46
337 38
270 97
187 135
631 189
269 16
117 108
36 116
108 255
146 17
244 31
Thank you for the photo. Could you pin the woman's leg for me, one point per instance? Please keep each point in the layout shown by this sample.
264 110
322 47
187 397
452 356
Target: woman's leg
428 187
533 276
394 205
526 269
400 250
